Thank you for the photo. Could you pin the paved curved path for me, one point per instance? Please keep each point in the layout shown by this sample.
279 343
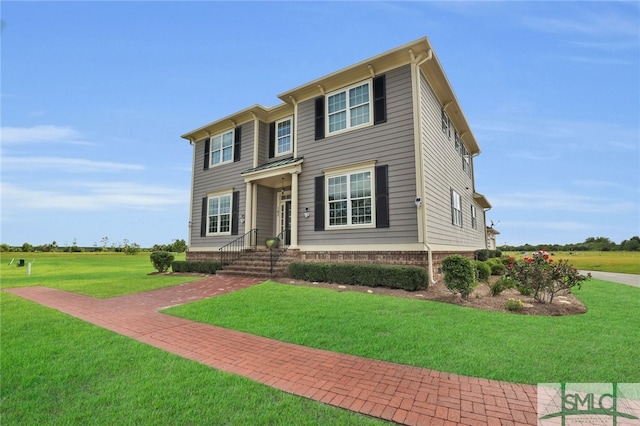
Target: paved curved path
629 279
394 392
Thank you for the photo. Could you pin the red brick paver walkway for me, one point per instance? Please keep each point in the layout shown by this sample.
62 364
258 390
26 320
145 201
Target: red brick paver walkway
399 393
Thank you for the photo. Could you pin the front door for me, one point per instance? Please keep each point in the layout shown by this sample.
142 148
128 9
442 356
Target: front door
284 216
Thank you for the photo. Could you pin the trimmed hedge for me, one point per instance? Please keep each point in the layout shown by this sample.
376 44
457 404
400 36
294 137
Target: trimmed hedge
203 267
409 278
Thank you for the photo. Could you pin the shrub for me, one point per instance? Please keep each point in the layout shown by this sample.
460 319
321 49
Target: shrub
501 285
161 260
513 304
540 276
409 278
497 268
483 270
202 267
459 274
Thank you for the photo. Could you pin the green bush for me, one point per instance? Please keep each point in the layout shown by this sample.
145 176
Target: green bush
161 260
202 267
483 271
409 278
500 285
496 265
459 274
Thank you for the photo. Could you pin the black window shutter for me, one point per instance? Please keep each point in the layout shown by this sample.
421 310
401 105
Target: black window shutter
320 117
235 207
236 144
379 100
203 221
382 196
318 212
207 149
272 140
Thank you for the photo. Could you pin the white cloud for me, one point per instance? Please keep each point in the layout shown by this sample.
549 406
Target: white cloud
92 196
70 165
40 134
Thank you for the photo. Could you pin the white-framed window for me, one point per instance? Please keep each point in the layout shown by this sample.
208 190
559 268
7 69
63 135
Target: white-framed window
456 208
446 123
349 108
222 148
284 136
219 214
474 217
350 197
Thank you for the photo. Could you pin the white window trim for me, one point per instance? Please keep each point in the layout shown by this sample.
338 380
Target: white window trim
221 135
220 195
456 208
276 151
341 171
348 108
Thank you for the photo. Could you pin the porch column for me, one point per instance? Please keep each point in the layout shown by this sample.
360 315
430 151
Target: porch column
248 217
294 211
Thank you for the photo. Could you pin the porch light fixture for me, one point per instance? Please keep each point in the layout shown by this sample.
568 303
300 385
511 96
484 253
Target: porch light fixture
241 219
306 212
282 188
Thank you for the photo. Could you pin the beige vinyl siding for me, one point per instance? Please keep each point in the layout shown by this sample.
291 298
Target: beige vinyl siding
389 143
443 172
216 178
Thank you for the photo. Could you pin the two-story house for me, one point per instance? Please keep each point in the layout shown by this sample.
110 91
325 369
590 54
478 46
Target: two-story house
372 163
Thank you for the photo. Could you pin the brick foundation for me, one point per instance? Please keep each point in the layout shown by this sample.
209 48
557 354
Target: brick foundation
413 258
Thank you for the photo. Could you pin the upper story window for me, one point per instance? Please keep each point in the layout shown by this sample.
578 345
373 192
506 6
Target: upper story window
349 108
222 148
446 123
284 136
466 160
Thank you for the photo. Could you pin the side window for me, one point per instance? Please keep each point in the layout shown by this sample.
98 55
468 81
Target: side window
456 209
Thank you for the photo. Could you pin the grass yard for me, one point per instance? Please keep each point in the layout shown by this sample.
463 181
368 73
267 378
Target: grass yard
91 274
625 262
56 369
599 346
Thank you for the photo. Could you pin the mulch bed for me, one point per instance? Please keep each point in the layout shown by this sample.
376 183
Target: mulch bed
479 299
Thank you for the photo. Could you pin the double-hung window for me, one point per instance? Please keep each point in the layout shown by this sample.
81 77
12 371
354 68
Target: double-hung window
350 199
284 134
456 209
219 214
222 148
474 217
349 108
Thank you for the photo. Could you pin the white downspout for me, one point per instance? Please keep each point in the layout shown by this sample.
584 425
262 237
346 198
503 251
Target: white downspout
418 128
193 171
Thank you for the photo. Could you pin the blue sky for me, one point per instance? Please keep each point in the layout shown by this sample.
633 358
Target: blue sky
95 96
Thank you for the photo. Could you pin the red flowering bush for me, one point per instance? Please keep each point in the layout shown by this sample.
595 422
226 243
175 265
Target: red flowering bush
543 278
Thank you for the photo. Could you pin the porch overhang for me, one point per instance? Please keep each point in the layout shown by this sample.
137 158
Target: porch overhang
481 200
270 174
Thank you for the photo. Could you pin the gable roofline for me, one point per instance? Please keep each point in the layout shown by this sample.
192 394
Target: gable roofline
419 52
236 119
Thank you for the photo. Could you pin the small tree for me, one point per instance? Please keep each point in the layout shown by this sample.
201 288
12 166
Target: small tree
459 274
161 260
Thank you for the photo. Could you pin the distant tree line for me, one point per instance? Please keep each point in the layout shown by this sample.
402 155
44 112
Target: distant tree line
590 244
127 247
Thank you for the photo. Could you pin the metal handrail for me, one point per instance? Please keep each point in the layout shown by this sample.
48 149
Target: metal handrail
283 238
234 249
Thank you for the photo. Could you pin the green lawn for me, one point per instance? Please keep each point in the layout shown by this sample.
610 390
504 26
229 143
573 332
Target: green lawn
599 346
56 369
91 274
625 262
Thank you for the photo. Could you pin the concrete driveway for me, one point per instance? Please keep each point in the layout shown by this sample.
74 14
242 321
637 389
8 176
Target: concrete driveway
629 279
